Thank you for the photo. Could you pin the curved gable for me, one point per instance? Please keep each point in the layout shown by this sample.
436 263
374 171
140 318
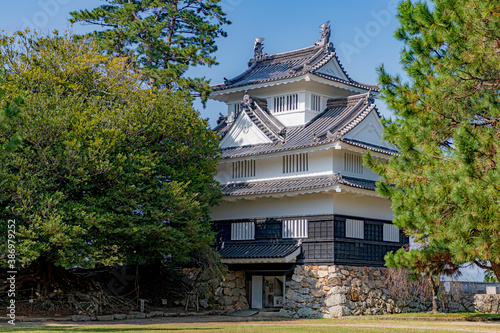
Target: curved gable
244 132
369 130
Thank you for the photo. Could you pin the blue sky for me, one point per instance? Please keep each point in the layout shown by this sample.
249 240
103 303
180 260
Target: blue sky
362 33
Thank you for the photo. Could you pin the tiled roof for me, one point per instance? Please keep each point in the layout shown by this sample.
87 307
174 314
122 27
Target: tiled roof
256 109
290 64
294 184
370 146
341 116
257 251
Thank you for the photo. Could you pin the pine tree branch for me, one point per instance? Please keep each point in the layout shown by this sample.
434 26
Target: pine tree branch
482 266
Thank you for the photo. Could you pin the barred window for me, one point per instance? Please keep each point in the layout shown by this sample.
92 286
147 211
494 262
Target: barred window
354 229
242 231
286 103
353 163
294 228
296 163
315 102
243 169
391 233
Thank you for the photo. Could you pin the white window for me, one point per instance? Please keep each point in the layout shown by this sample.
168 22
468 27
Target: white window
315 102
294 228
242 231
354 229
286 103
391 233
296 163
243 169
353 163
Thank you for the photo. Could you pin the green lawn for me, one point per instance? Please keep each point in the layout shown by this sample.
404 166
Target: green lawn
322 325
248 327
464 315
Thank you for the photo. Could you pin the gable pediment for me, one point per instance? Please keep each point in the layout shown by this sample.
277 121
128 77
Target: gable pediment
244 132
369 130
333 68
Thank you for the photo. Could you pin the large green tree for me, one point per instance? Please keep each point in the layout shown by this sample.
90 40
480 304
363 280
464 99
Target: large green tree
445 183
9 111
166 37
107 172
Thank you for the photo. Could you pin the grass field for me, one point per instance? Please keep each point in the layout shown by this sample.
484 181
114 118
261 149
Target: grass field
320 325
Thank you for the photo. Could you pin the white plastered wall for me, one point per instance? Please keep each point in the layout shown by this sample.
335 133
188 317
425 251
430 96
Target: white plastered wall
320 163
307 204
353 204
343 203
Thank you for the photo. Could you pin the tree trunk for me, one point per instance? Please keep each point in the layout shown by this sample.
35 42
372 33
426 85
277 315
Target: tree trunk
495 267
435 290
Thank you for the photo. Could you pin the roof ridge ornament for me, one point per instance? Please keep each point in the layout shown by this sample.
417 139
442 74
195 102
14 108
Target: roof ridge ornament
325 34
371 96
247 101
334 136
258 48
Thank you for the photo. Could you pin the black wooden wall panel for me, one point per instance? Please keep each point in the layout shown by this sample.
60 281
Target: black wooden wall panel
361 251
268 229
317 250
339 228
374 231
321 229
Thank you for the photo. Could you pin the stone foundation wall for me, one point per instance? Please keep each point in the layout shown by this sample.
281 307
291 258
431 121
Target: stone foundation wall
231 295
487 303
336 291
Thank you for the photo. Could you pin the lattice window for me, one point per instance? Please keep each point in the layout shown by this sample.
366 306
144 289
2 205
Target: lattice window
391 233
286 103
242 231
296 163
353 163
315 102
243 169
295 229
354 229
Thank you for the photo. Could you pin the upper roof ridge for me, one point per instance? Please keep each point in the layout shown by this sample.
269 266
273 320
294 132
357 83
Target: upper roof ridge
265 67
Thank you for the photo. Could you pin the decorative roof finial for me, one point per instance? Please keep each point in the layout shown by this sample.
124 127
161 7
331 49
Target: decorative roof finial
371 97
325 34
247 100
258 47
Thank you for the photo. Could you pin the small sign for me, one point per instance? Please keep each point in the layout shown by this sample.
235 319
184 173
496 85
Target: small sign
142 305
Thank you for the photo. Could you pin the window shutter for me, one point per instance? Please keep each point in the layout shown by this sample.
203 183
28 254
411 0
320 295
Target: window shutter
295 228
242 231
391 233
354 229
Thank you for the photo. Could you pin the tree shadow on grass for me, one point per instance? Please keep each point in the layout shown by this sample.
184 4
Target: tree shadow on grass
77 329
